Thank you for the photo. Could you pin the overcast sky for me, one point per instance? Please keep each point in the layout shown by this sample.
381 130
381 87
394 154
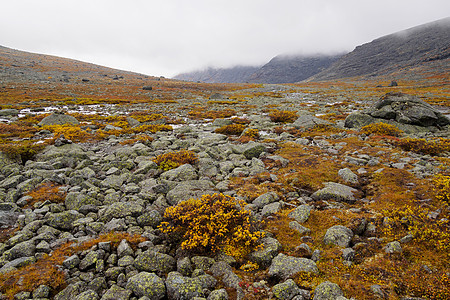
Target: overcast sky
166 37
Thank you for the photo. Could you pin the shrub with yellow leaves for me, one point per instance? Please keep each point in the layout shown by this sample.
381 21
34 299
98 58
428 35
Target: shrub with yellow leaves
213 223
283 116
381 129
173 160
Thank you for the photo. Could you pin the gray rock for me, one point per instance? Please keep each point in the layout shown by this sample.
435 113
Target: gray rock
284 266
338 235
150 218
253 149
348 254
9 112
393 247
301 213
72 151
264 256
24 249
64 220
286 290
120 210
265 199
87 295
152 261
189 189
75 200
148 285
43 291
71 262
327 291
182 173
184 266
306 120
218 295
58 119
124 249
271 209
180 287
11 182
89 260
17 263
348 176
70 292
116 293
299 228
202 262
337 192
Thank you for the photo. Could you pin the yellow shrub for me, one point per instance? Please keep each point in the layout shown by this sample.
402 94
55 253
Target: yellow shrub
24 150
441 187
252 133
232 129
212 223
283 116
432 147
381 129
173 160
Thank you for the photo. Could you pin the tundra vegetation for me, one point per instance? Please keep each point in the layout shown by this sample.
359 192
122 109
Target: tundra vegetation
266 174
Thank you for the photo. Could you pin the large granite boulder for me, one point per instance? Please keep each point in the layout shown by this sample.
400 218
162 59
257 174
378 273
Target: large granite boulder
58 119
407 112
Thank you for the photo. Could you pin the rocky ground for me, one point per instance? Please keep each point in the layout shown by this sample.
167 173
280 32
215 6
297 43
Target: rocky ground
334 218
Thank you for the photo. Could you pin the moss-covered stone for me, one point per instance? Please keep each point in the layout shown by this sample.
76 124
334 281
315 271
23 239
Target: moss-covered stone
338 235
180 287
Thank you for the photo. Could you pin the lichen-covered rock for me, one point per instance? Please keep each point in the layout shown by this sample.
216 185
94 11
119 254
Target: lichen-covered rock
74 151
271 209
58 119
75 200
120 210
64 220
270 249
151 261
89 260
327 291
348 176
253 149
70 292
338 235
180 287
150 218
182 173
337 192
299 228
189 189
116 293
218 295
265 199
87 295
284 266
202 262
393 247
286 290
301 213
148 285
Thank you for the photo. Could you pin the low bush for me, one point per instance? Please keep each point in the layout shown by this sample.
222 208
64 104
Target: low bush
432 147
441 187
46 191
381 129
173 160
283 116
212 223
232 129
23 150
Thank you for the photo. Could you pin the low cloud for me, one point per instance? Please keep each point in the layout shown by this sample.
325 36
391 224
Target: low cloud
170 37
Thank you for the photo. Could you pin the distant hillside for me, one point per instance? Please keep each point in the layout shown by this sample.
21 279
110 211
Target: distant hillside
415 47
219 75
280 69
26 66
288 69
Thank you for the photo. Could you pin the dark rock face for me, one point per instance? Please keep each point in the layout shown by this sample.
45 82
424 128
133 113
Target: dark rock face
419 45
220 75
407 112
288 69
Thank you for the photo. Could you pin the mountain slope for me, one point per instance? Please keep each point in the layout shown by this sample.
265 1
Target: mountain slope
219 75
288 69
414 47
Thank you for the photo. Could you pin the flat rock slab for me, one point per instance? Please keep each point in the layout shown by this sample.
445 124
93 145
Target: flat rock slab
336 191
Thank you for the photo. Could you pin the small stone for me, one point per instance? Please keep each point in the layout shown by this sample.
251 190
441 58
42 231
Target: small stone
327 291
338 235
393 247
